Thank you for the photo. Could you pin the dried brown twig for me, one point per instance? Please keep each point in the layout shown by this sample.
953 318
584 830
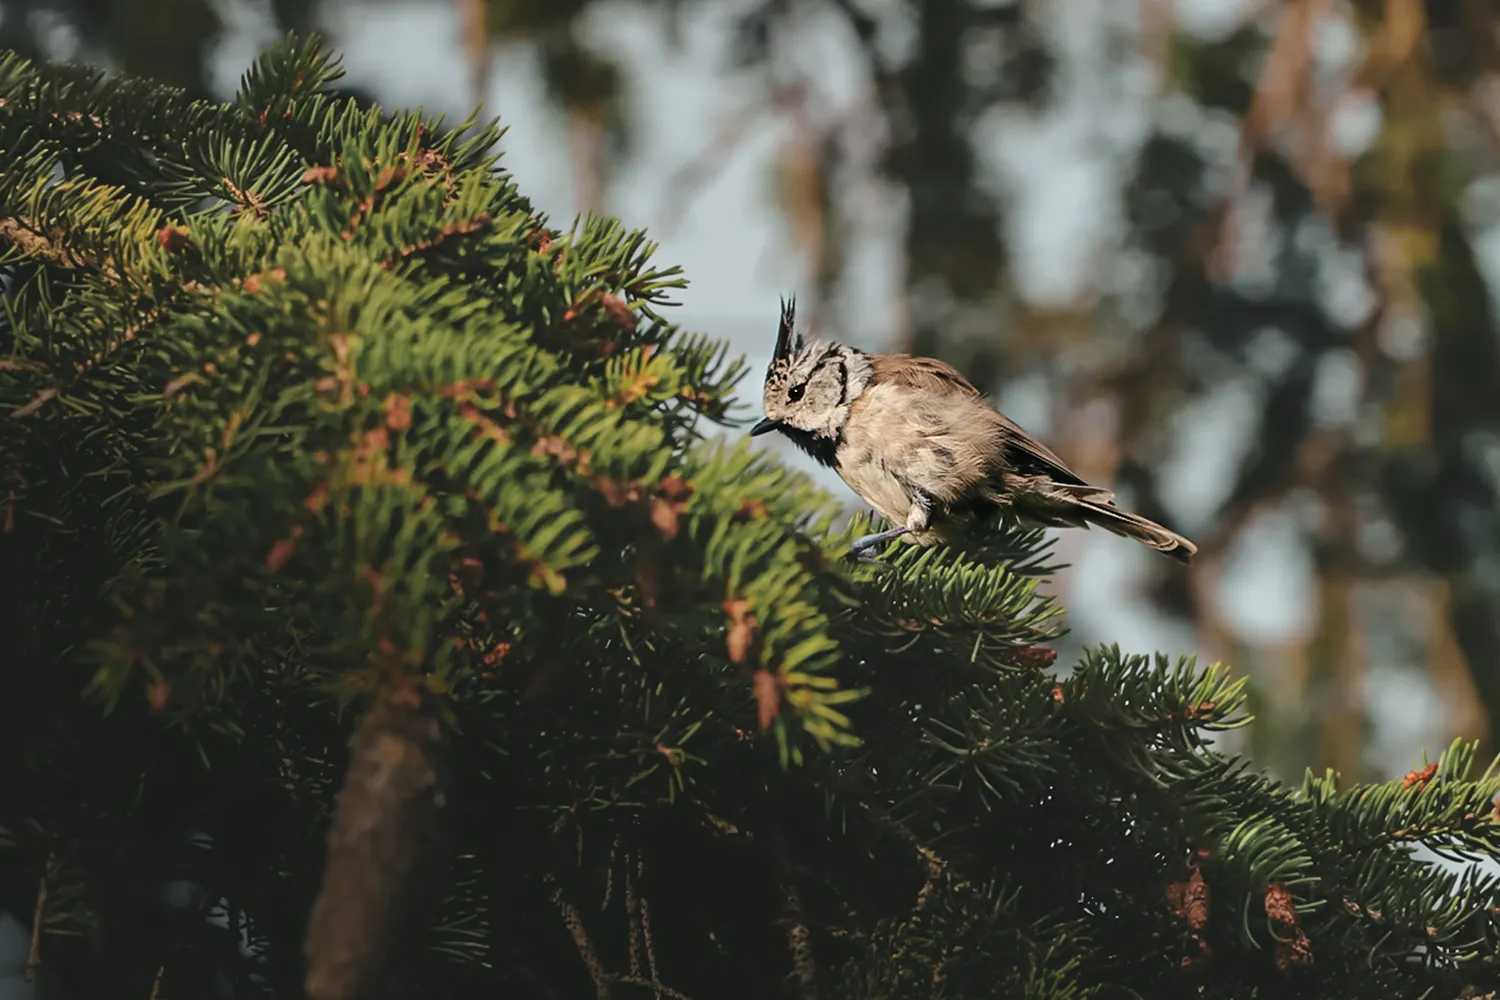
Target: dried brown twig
34 952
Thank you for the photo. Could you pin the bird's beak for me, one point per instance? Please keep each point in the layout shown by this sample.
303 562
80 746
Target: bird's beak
765 426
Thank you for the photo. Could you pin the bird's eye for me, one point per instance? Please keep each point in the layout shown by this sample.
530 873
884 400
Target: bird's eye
795 393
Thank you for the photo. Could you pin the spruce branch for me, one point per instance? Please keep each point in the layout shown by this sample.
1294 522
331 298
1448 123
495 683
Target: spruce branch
381 849
31 241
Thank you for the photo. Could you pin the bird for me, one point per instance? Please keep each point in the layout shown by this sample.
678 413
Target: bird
925 449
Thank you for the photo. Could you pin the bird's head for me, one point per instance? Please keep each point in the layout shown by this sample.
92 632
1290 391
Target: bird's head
809 387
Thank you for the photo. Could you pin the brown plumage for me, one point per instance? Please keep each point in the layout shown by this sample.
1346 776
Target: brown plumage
920 444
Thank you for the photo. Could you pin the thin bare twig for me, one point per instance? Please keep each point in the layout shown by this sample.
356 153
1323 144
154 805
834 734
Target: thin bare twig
662 989
34 953
609 874
793 916
799 940
935 867
640 873
586 952
632 909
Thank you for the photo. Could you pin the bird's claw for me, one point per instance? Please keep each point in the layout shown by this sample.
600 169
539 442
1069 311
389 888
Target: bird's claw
863 558
859 552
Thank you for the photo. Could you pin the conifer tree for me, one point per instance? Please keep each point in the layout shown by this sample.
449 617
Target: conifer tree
378 620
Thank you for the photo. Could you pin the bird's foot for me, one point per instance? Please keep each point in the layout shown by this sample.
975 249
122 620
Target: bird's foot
860 550
865 559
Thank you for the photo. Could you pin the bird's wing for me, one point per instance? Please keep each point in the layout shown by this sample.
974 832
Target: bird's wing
928 374
1028 455
1031 457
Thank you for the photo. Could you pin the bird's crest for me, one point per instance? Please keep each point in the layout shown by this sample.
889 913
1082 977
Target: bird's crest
788 342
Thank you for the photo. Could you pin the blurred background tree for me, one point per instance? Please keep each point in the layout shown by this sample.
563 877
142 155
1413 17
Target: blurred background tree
1235 256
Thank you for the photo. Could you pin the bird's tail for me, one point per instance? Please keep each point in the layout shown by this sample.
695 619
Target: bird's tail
1065 505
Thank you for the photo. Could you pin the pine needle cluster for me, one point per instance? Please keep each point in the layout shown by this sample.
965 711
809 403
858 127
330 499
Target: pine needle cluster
380 619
